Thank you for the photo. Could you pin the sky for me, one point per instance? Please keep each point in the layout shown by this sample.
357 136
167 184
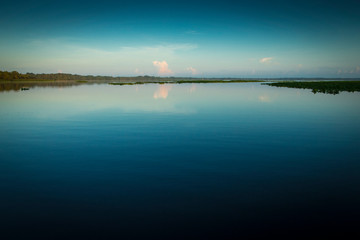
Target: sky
182 38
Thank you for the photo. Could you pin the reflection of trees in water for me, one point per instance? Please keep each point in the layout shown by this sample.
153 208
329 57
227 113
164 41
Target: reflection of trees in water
4 87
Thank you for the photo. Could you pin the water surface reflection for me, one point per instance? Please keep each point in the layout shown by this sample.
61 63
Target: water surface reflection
183 160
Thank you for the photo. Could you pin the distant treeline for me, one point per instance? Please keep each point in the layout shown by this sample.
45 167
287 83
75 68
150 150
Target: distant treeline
14 75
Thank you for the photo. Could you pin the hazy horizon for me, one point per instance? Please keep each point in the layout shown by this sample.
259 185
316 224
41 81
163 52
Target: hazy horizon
194 77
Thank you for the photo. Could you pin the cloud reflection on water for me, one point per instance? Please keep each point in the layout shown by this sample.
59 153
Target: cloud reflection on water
192 88
264 98
162 91
52 103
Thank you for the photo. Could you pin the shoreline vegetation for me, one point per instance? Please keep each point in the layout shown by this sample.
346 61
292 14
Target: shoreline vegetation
329 87
185 80
18 81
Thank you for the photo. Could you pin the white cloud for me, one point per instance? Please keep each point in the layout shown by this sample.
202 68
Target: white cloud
163 67
192 70
266 60
349 71
114 59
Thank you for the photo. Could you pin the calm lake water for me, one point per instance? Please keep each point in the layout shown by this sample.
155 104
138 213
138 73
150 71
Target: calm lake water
178 162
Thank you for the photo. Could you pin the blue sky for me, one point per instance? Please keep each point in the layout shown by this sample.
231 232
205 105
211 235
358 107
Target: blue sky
187 38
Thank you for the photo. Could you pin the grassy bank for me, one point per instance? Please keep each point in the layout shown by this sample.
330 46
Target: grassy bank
330 87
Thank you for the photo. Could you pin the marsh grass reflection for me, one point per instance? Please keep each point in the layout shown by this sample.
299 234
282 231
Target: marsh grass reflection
5 87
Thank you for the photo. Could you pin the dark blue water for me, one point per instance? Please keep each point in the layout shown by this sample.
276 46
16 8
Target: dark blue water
178 161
